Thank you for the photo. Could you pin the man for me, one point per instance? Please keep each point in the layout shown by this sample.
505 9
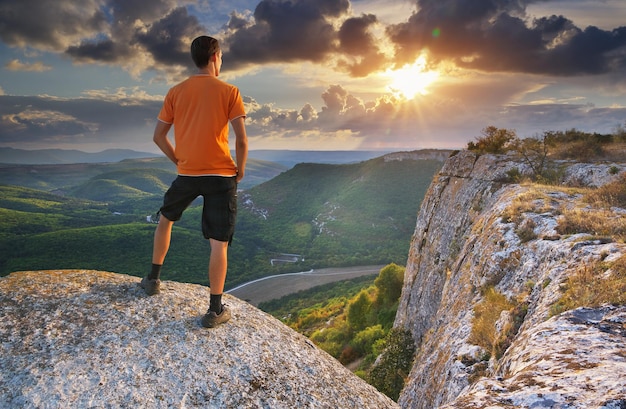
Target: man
200 109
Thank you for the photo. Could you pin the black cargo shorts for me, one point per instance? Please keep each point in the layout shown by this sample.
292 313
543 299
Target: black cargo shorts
220 203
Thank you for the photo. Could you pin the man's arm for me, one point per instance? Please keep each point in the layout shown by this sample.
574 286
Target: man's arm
161 140
241 145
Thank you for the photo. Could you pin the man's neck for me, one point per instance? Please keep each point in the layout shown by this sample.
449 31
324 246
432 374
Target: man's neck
209 70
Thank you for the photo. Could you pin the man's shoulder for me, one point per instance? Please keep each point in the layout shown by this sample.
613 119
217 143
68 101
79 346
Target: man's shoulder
214 81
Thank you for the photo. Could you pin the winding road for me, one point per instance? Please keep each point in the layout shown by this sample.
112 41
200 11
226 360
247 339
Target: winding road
276 286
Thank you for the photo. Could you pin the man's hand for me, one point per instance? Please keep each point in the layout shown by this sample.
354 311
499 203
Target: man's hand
240 175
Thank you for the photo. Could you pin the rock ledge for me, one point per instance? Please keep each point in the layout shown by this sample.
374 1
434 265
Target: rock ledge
78 338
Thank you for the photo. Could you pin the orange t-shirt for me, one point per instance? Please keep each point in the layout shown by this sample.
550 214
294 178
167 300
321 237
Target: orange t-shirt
200 109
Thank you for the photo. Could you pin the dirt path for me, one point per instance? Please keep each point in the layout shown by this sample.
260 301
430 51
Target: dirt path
269 288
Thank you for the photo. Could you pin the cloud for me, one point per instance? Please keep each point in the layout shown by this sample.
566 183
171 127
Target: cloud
17 65
448 119
495 35
137 35
36 124
498 67
282 31
358 46
169 38
50 25
490 35
45 120
160 45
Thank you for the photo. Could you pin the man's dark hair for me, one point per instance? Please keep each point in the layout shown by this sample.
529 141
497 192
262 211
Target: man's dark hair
202 48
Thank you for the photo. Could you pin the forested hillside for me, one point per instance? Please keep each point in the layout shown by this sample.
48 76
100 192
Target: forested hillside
330 215
334 215
61 178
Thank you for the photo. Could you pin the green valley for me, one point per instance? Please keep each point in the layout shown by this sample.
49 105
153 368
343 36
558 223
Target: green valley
97 216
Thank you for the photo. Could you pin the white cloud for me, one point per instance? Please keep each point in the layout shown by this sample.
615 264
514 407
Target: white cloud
17 65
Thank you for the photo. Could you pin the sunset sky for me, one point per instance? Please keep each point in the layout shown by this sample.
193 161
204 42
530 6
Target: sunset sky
315 74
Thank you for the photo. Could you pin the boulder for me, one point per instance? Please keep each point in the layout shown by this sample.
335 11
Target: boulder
79 339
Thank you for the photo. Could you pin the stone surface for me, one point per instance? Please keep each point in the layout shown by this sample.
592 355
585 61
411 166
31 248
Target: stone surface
574 360
94 339
463 243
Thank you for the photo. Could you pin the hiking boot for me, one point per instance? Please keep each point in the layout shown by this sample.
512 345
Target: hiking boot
151 286
212 319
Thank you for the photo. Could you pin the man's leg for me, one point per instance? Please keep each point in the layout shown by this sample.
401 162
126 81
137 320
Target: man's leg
218 265
162 235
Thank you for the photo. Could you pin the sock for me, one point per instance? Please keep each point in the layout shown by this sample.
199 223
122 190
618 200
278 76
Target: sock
155 273
215 304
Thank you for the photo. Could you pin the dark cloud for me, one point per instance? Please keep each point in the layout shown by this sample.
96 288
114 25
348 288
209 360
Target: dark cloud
113 32
105 50
494 35
125 12
165 39
49 24
489 35
236 22
360 47
283 31
45 120
168 39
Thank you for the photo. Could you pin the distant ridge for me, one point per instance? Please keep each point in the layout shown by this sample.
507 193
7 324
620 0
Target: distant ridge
291 158
66 156
287 158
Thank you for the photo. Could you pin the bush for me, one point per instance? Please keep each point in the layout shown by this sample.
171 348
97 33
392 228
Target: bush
363 342
493 140
600 223
389 373
389 283
358 311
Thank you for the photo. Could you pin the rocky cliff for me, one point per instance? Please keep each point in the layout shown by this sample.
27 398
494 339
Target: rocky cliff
478 238
89 339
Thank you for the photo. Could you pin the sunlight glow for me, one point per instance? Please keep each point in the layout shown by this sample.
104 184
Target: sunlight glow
412 79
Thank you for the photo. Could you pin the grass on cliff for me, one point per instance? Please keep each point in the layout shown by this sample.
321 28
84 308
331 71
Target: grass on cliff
593 285
487 314
597 218
594 215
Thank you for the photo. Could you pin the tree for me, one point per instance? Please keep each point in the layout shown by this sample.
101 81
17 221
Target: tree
363 342
534 152
493 140
389 283
358 311
393 366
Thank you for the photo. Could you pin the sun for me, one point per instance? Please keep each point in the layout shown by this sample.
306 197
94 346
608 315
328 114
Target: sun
411 79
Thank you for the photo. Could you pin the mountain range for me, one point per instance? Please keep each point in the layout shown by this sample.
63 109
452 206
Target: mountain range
286 158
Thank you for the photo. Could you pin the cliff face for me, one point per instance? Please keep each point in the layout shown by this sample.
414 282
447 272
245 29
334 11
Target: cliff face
79 339
465 246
